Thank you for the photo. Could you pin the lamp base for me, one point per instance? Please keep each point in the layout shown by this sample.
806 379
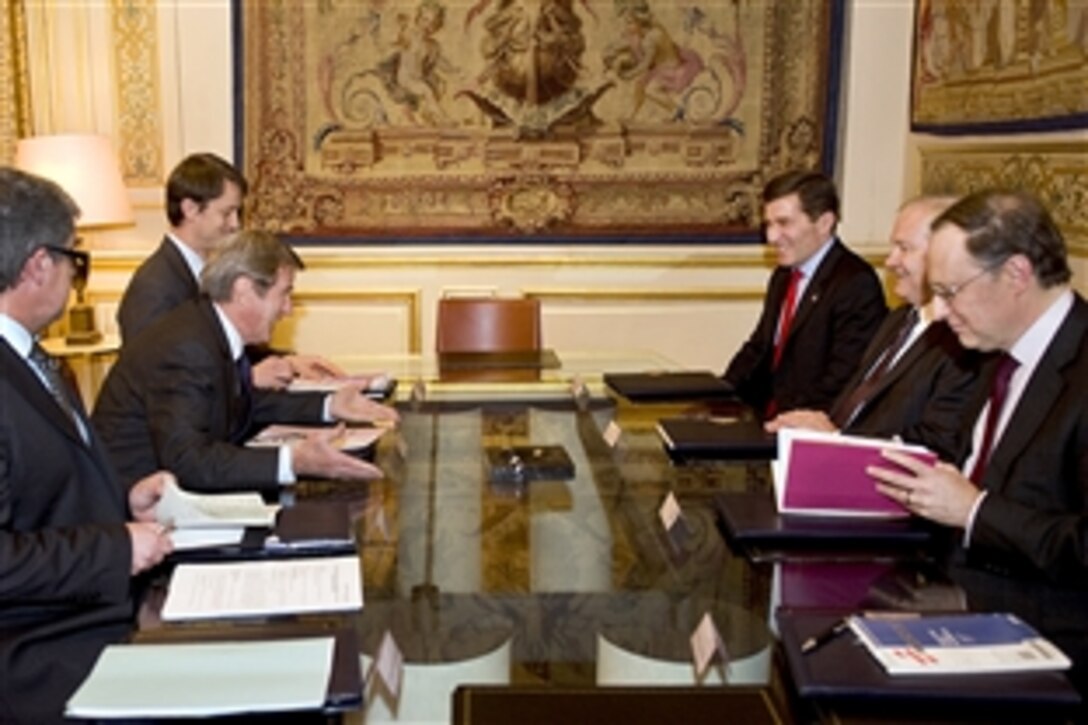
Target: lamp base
81 329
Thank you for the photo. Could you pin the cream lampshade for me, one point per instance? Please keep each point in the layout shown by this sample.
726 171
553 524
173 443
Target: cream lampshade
86 167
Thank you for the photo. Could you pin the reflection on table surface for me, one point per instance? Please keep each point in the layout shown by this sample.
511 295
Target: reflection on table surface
479 381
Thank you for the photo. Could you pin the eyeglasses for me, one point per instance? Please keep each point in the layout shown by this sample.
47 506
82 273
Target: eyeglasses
947 293
81 261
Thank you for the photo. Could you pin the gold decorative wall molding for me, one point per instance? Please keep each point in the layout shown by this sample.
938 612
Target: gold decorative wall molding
1057 173
14 81
137 86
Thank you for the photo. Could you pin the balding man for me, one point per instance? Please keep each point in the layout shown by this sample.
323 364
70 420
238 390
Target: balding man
915 379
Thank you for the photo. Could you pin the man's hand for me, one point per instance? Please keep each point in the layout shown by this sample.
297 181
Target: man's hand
317 455
313 367
806 419
145 495
351 404
150 544
940 493
273 373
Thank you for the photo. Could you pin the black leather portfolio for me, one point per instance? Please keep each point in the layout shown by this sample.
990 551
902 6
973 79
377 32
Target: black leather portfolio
713 439
749 518
843 671
521 464
308 528
499 705
666 386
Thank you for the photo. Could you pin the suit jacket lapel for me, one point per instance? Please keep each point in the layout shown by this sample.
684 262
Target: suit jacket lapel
1039 397
918 348
26 383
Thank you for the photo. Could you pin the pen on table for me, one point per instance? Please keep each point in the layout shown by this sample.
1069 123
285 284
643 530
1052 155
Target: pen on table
817 641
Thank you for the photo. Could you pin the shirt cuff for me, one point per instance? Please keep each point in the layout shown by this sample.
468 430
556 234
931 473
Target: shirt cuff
970 527
326 412
285 474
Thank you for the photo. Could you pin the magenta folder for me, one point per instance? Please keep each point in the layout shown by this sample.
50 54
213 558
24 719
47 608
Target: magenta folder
824 474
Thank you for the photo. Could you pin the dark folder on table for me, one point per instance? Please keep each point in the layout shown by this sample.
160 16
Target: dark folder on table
666 386
308 528
715 439
843 670
750 518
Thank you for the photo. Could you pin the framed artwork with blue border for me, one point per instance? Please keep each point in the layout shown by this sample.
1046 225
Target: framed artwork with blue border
999 67
575 121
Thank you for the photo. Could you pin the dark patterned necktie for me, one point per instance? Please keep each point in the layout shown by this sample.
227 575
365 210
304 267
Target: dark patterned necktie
49 368
999 390
846 410
243 399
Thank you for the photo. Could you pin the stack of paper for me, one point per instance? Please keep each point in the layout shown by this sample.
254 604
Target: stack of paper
352 439
206 679
959 643
264 588
823 474
201 520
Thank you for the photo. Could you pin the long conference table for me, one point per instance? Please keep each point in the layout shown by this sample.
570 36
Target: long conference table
551 586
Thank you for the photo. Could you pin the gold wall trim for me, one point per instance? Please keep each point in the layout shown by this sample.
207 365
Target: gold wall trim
14 78
409 298
1056 172
744 294
137 86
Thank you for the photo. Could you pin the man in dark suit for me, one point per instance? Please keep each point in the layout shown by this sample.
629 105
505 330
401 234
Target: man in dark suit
822 307
915 379
67 547
204 196
999 274
180 395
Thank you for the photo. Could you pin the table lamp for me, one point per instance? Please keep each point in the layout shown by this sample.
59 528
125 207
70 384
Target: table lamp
86 167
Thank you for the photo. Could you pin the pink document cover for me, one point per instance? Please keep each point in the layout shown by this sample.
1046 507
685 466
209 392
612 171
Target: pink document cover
831 477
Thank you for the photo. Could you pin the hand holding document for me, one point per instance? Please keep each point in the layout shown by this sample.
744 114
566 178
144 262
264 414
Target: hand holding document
264 588
207 520
823 474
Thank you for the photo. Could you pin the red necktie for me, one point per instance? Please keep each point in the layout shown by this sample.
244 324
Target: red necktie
785 320
999 389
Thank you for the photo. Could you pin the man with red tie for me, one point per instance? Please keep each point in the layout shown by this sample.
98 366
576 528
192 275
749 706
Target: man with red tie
823 303
999 273
915 378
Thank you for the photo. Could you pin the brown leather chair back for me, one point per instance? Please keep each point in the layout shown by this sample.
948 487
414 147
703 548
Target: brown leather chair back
488 324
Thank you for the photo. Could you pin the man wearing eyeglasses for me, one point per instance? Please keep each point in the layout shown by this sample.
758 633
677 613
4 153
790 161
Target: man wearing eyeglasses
204 195
915 378
68 549
1001 279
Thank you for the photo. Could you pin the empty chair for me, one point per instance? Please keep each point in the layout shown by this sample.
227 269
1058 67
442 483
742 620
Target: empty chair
488 324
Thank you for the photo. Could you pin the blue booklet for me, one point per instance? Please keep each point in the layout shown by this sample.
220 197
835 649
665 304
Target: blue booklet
957 643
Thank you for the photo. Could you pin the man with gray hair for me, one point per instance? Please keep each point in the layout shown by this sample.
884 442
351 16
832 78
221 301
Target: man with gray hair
1000 276
181 394
68 549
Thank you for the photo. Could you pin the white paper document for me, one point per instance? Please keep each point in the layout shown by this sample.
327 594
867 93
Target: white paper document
188 539
206 679
183 509
352 439
263 588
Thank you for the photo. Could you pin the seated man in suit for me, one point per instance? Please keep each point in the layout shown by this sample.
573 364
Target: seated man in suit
180 394
1019 507
822 307
204 196
68 547
915 379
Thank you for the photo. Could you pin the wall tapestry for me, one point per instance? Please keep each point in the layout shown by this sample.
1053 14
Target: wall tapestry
569 120
995 66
